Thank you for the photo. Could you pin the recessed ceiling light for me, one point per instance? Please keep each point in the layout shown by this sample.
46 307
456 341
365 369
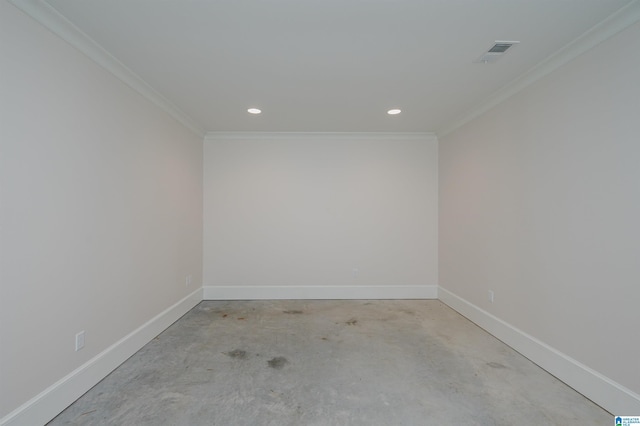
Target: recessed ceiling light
254 111
394 111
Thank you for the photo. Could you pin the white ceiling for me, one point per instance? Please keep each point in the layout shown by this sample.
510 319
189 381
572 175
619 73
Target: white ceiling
330 65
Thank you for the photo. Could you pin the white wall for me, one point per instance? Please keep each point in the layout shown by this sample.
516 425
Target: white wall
101 214
540 201
101 211
304 210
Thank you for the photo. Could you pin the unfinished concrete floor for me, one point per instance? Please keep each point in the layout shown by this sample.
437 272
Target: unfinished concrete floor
412 362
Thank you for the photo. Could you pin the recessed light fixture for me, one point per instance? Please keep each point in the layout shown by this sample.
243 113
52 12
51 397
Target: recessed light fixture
254 111
394 111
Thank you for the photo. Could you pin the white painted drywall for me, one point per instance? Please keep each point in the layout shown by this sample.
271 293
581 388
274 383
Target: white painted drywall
306 210
101 214
539 202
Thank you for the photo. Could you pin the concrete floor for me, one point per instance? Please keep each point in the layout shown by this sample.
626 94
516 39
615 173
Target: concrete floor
414 362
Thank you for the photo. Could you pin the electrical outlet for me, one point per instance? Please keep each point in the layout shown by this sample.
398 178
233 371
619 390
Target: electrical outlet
79 340
187 280
490 296
355 272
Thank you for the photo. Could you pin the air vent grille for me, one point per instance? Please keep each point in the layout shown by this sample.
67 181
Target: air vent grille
495 52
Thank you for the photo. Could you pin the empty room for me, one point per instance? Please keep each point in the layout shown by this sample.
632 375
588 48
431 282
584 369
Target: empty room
356 212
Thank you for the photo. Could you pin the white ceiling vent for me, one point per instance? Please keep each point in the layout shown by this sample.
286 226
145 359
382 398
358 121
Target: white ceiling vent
495 52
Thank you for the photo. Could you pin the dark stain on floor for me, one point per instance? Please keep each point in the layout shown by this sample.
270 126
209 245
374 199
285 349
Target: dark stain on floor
293 312
352 321
237 354
277 362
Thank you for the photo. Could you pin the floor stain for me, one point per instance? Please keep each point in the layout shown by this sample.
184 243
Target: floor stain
352 321
294 312
277 362
230 390
237 354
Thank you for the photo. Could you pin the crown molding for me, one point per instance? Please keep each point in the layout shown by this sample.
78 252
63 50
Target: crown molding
216 136
51 19
615 23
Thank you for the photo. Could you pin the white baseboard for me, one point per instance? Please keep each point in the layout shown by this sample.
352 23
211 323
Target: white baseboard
319 292
50 402
610 395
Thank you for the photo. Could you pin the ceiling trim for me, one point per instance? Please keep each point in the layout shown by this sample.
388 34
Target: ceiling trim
399 136
615 23
50 18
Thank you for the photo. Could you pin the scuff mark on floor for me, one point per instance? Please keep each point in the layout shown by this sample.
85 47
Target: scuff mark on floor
237 354
496 365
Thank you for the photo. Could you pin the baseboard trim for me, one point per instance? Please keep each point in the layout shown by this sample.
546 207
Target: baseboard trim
319 292
50 402
610 395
